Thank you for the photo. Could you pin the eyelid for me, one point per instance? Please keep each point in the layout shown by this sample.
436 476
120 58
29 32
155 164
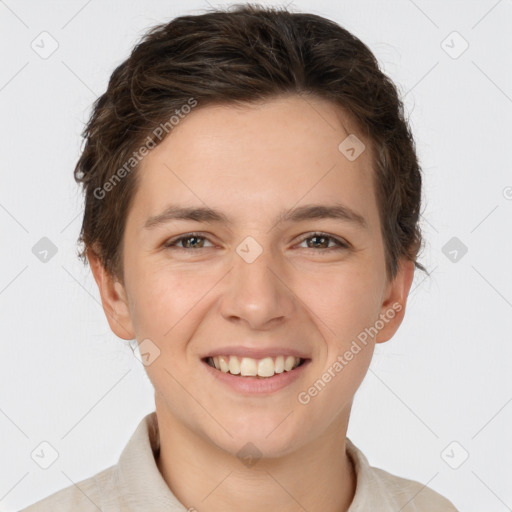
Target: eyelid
172 241
340 242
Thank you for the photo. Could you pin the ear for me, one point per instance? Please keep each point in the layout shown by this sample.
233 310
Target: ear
113 298
394 301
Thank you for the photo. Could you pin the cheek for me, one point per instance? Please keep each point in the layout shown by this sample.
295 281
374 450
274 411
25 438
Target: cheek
159 300
343 310
168 303
344 303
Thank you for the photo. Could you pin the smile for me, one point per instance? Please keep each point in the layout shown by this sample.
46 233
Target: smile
249 367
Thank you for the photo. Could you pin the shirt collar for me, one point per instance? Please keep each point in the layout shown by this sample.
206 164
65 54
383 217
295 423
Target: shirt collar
141 482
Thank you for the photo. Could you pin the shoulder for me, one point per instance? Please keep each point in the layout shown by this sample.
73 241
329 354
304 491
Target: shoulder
84 496
126 485
377 489
412 495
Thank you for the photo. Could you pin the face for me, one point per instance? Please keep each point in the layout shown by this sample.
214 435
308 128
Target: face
251 279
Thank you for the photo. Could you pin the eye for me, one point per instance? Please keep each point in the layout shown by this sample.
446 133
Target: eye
192 241
322 240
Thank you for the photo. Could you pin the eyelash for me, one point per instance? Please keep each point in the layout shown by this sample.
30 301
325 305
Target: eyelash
172 244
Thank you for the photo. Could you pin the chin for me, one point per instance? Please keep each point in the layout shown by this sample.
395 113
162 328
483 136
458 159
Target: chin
275 436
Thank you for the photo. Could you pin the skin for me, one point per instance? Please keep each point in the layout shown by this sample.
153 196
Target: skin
250 163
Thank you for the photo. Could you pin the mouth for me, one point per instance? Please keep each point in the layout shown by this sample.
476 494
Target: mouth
247 367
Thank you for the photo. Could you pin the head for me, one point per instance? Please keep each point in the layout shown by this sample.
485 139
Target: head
248 117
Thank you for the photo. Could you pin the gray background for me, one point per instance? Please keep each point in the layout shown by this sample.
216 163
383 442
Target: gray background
438 392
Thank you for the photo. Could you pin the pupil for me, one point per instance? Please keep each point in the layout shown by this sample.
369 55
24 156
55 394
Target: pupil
319 237
192 238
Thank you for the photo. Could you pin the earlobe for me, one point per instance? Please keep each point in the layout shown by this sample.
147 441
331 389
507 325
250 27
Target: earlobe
393 306
113 298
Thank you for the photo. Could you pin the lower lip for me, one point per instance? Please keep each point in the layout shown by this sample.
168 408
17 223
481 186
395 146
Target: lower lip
258 385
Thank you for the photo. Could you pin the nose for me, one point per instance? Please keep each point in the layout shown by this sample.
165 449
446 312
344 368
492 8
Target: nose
258 293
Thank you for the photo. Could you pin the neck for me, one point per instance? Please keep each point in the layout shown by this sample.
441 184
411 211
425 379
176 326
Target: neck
318 476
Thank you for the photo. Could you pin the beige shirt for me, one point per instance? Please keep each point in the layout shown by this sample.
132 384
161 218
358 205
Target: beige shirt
135 484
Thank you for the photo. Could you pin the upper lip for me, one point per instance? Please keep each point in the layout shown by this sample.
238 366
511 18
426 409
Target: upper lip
255 353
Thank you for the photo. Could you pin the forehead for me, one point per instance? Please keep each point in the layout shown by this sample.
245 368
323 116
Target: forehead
258 159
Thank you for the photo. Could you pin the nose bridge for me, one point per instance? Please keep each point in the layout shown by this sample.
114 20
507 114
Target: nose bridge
256 291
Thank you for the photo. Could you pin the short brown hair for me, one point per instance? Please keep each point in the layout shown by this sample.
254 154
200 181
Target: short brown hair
244 54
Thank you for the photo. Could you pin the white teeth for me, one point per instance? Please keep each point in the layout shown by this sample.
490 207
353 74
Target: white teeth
234 365
288 363
266 367
224 364
279 366
249 367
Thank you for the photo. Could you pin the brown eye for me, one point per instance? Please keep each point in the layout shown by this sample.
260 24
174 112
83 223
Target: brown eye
322 241
195 241
190 241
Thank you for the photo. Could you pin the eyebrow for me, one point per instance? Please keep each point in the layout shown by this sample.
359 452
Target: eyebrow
297 214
